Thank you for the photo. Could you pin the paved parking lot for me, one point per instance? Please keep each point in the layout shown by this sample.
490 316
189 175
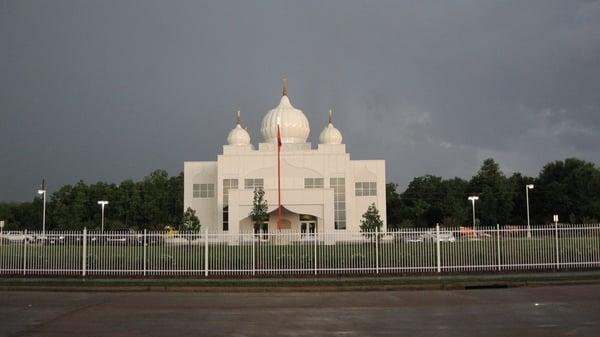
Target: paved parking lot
544 311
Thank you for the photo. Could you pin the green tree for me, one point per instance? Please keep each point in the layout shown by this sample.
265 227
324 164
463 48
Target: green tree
258 213
371 221
422 201
393 206
190 221
517 182
23 215
568 188
495 194
454 209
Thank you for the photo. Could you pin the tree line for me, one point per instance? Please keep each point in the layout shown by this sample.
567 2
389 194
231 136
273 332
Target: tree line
151 203
569 188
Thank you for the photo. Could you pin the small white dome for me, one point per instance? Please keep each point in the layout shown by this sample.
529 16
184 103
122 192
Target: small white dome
294 124
238 136
330 135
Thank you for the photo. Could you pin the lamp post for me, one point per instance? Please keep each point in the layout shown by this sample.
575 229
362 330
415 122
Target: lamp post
473 198
42 192
1 231
102 203
527 188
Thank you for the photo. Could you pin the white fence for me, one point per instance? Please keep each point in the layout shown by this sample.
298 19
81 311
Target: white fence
90 253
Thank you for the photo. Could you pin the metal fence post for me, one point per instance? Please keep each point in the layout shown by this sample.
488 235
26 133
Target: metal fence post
556 244
206 252
438 252
25 253
498 246
84 253
377 250
315 252
253 253
145 252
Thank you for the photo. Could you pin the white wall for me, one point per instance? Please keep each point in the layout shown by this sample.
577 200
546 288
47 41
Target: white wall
299 161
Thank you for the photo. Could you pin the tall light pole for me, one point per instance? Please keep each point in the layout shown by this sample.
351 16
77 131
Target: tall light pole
1 229
527 188
473 198
42 192
102 203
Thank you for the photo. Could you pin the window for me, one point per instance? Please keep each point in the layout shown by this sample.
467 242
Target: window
228 184
204 190
365 189
251 183
339 202
311 228
313 182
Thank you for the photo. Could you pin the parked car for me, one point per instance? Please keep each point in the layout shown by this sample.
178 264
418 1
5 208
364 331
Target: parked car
175 240
16 238
445 236
413 238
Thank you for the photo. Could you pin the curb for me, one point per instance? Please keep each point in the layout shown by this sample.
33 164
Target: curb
448 282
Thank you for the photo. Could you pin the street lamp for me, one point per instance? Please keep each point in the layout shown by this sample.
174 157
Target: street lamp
1 229
102 203
42 191
473 198
527 188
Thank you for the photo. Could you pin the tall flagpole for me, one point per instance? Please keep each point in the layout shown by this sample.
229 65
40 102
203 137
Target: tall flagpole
283 93
279 174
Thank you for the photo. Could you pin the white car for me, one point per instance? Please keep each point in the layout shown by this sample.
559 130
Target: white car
445 236
175 240
17 238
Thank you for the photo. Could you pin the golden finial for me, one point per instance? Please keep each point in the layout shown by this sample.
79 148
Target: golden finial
330 116
284 84
239 119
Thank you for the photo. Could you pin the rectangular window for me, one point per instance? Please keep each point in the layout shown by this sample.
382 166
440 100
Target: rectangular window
365 189
228 184
313 182
204 190
253 183
339 201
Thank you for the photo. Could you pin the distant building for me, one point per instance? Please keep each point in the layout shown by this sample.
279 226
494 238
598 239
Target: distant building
321 188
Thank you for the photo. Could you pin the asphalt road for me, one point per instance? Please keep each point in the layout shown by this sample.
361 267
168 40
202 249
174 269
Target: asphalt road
544 311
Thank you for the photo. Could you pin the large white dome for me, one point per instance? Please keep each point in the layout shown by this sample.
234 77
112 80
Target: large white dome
294 124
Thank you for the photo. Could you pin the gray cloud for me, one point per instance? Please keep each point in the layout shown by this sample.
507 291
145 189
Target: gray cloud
114 89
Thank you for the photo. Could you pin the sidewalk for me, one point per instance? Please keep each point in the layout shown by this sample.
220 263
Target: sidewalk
469 281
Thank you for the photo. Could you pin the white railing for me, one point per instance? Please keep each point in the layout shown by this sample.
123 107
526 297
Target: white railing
438 250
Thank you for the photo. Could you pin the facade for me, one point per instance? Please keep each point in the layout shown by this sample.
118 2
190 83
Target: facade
322 189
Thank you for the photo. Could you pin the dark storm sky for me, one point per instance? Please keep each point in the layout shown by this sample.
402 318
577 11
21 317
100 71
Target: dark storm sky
110 90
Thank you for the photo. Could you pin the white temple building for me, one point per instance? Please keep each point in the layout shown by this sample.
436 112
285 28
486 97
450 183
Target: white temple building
322 189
